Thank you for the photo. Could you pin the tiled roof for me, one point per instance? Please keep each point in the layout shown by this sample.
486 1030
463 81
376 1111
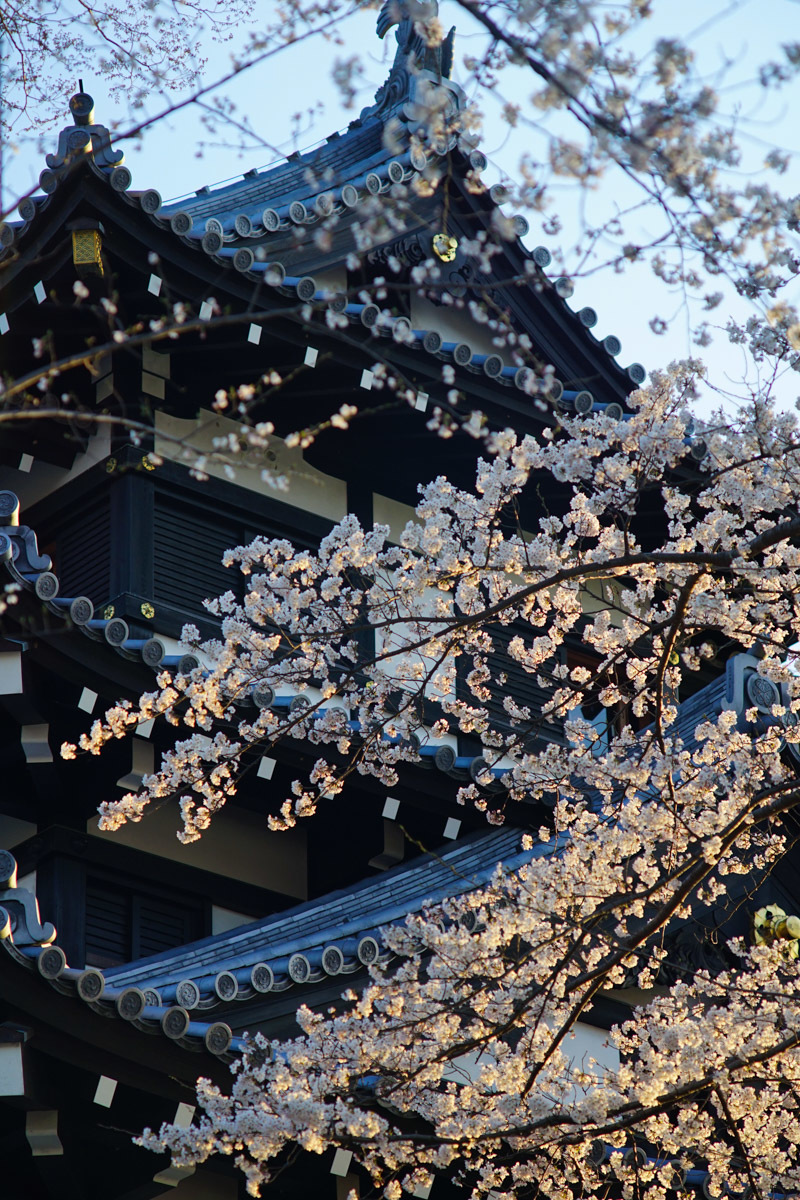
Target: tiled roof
335 935
152 996
262 224
259 246
324 170
19 553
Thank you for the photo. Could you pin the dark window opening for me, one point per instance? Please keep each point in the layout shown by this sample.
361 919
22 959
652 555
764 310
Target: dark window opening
123 924
187 556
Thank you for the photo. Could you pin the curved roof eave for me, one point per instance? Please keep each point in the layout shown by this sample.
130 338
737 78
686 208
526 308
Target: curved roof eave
245 223
338 934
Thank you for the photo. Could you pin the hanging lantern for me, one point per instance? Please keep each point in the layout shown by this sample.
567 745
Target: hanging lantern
87 249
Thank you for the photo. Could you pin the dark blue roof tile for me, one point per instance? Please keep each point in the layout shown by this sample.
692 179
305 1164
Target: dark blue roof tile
325 168
312 942
339 923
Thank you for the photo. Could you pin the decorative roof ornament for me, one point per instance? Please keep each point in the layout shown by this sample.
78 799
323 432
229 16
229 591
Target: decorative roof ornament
407 14
445 247
19 912
84 139
419 91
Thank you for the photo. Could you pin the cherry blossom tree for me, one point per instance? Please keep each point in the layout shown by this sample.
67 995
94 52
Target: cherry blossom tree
140 49
455 1058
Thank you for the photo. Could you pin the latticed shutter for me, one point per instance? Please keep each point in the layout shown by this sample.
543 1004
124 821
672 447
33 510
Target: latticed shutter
108 925
123 924
82 554
161 925
187 555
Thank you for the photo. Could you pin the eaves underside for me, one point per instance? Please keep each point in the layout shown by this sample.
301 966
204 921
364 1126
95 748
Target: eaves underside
139 240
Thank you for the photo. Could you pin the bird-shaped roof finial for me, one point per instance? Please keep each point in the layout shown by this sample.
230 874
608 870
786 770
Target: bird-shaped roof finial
394 12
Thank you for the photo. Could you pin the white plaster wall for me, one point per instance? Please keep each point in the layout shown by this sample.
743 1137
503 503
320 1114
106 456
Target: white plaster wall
28 883
587 1042
334 279
224 919
410 666
586 1048
12 1082
237 844
181 441
454 325
43 478
600 594
11 673
13 830
386 511
203 1185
